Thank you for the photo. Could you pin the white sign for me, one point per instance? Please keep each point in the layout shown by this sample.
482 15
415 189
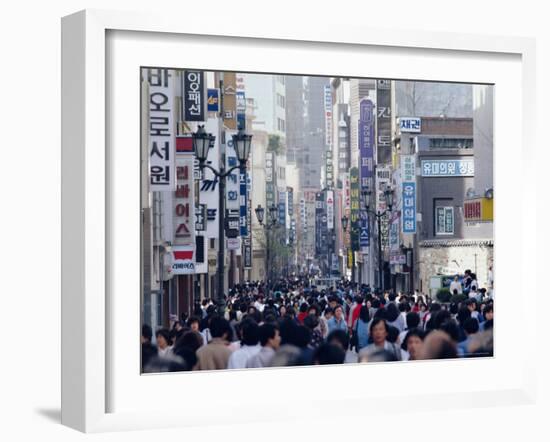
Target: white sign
383 179
232 183
448 167
330 209
269 167
410 124
208 188
408 169
161 130
234 243
398 259
183 260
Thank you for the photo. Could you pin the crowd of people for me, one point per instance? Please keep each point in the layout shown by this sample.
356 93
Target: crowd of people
294 323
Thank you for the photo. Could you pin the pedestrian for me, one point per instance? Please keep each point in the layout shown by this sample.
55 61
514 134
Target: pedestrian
270 341
215 355
361 329
164 343
412 344
337 322
456 285
250 344
379 334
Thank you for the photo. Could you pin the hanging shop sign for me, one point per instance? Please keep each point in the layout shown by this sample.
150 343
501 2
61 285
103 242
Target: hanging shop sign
161 129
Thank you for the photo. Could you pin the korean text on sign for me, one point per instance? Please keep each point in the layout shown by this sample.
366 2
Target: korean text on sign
161 129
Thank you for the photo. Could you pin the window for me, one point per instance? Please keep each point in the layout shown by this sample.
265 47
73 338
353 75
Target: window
451 143
343 154
342 133
281 102
343 144
280 124
444 220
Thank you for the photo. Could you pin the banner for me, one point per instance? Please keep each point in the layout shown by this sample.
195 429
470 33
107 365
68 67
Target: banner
364 240
184 201
383 179
383 121
241 110
330 209
213 100
243 200
354 212
208 186
409 207
408 197
366 141
232 184
193 96
328 116
162 127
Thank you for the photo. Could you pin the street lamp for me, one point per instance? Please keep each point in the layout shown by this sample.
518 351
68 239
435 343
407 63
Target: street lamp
201 144
367 199
260 212
345 221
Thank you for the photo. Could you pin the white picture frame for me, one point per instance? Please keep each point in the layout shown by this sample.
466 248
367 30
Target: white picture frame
88 230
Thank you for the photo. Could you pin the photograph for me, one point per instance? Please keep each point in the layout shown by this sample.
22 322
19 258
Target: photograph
303 220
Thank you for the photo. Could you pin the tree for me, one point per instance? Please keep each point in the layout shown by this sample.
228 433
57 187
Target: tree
274 144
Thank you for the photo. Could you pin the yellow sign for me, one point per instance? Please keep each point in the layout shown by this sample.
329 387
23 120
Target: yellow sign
478 210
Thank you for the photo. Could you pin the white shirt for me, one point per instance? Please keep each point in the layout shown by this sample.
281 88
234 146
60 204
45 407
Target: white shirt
239 357
456 285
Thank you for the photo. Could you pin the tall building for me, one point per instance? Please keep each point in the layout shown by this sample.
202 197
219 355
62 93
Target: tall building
314 132
294 117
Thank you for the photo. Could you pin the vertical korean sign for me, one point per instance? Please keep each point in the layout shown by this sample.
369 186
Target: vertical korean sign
247 240
232 184
269 181
193 96
366 156
366 141
354 212
161 129
328 116
184 216
383 121
243 202
408 174
330 209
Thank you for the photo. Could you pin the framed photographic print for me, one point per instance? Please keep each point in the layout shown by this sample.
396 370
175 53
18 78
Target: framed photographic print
280 209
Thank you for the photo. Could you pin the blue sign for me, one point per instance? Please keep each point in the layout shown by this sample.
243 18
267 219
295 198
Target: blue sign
446 168
282 209
213 100
366 142
241 110
243 204
364 231
409 207
408 124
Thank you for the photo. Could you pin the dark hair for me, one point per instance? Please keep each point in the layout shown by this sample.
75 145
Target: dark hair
451 328
364 314
392 296
463 314
488 308
266 332
311 321
302 336
404 307
193 319
471 326
413 319
249 332
148 352
329 354
375 322
191 339
382 355
147 332
440 317
393 334
412 332
165 334
488 325
375 303
303 307
219 327
341 336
